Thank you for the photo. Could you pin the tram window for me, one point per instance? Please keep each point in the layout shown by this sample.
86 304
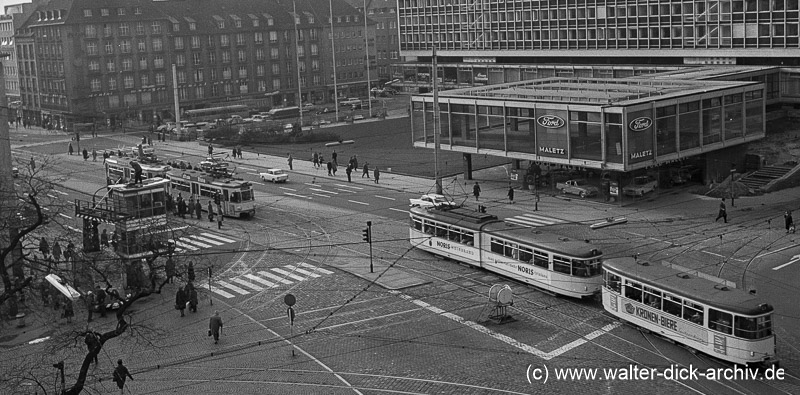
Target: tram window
633 290
416 223
719 321
235 197
764 325
652 297
693 312
745 327
441 231
511 250
613 282
579 268
429 228
540 259
207 192
247 195
497 246
561 265
525 254
468 238
594 267
454 234
672 304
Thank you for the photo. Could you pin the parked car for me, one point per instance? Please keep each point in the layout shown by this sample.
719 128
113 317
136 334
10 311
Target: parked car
274 175
640 186
358 117
577 187
432 200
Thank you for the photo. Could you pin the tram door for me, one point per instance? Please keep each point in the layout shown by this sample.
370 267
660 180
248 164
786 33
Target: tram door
196 189
226 198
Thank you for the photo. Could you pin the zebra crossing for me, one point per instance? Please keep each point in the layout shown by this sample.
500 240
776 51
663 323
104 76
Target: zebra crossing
201 241
266 279
533 220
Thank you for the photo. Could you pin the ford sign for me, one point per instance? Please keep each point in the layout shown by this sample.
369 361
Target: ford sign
550 121
639 124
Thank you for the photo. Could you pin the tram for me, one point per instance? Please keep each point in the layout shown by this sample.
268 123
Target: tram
120 171
725 323
236 197
554 263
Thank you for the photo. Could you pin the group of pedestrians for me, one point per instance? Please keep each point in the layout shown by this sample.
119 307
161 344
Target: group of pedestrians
186 297
194 208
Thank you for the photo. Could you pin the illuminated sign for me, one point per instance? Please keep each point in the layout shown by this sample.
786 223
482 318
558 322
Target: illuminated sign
550 121
640 124
552 150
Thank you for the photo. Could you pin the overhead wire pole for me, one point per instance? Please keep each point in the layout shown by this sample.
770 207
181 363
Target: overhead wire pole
333 52
436 143
366 52
297 59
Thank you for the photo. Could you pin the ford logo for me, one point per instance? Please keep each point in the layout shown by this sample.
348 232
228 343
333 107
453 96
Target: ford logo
550 121
639 124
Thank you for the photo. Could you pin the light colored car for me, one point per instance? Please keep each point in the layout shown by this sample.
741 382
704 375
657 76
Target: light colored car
274 175
577 187
640 186
432 200
358 117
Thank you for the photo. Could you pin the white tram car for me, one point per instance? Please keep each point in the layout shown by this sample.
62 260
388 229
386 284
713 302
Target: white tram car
120 171
548 261
235 195
725 323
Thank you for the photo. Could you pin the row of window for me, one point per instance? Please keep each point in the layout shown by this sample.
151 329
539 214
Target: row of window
91 31
561 264
128 81
720 321
452 233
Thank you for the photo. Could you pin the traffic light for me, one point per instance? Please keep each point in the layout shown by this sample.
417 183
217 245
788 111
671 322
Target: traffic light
367 235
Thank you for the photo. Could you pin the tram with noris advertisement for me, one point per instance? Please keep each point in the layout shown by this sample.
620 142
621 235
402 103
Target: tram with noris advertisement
548 261
723 322
236 197
120 171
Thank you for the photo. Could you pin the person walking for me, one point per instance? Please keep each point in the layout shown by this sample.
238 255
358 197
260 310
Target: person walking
476 191
334 155
355 162
104 238
69 310
101 300
169 268
210 212
349 171
192 298
182 208
219 221
239 151
190 272
315 160
121 374
57 251
92 342
94 155
510 194
330 168
180 300
215 326
722 212
91 302
44 247
210 149
366 170
85 154
788 221
33 164
70 150
198 209
290 162
377 174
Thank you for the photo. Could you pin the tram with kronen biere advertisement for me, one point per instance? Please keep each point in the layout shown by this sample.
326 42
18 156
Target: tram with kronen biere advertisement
554 263
235 196
723 322
120 170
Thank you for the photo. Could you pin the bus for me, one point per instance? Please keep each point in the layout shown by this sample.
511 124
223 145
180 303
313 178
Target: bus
715 319
283 113
548 261
120 171
213 113
235 195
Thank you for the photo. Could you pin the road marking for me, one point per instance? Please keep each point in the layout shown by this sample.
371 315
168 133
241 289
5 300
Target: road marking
233 288
287 274
345 190
259 183
65 216
184 245
218 237
247 284
323 191
62 193
397 209
384 197
73 229
368 319
254 174
319 194
203 240
274 277
311 184
347 186
288 189
357 202
52 197
296 195
776 251
793 260
247 168
301 271
221 292
533 220
319 269
260 280
168 154
506 339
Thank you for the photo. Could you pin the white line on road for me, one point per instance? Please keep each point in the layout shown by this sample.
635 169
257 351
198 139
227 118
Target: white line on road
260 280
52 197
221 292
247 168
357 202
57 191
274 277
248 284
776 251
254 174
287 274
218 237
384 197
347 186
259 183
168 154
397 209
368 319
311 184
312 267
65 216
323 191
288 189
301 271
296 195
321 195
233 287
794 259
345 190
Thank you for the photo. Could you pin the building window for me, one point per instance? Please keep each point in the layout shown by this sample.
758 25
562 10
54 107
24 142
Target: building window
109 48
260 70
199 92
198 76
196 59
242 56
158 61
276 84
176 27
224 40
226 73
112 83
181 76
242 71
212 57
127 64
243 87
87 13
192 26
156 27
238 23
104 12
143 63
127 81
213 76
180 60
144 80
262 86
94 65
178 42
158 44
140 28
301 51
113 101
120 11
91 48
228 89
142 45
125 46
259 37
221 24
137 10
91 31
161 79
276 69
274 54
259 53
226 57
95 84
255 22
314 65
273 37
195 42
240 39
106 30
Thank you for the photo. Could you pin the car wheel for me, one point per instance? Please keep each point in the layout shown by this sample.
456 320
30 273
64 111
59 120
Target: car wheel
564 191
582 194
273 180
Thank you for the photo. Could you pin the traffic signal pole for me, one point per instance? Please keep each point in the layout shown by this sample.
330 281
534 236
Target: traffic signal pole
368 238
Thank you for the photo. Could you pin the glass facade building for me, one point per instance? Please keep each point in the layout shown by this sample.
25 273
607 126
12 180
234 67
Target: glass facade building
614 124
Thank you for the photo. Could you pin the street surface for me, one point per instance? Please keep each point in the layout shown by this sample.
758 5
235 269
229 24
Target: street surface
352 335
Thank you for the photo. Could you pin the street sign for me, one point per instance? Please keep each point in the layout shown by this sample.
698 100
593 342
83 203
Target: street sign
290 314
289 299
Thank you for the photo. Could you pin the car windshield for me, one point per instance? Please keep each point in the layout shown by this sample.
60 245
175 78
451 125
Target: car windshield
641 181
580 182
440 200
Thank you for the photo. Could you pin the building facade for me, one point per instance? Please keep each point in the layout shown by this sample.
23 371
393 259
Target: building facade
386 40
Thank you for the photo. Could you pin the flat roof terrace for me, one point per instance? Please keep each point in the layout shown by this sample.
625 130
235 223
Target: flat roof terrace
593 91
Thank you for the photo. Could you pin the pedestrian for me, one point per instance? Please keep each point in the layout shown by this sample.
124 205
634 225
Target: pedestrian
355 162
170 203
69 311
215 326
334 155
334 167
105 156
69 149
210 212
511 194
210 149
349 170
330 168
290 162
315 160
182 208
91 303
722 212
377 174
104 238
190 206
219 221
198 209
70 254
92 343
94 155
190 271
180 300
121 374
33 164
476 190
149 141
239 151
234 152
44 247
56 251
101 301
169 268
192 298
85 154
787 219
366 170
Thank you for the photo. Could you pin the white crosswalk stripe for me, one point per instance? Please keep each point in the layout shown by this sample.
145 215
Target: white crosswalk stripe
201 241
218 237
264 279
534 220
